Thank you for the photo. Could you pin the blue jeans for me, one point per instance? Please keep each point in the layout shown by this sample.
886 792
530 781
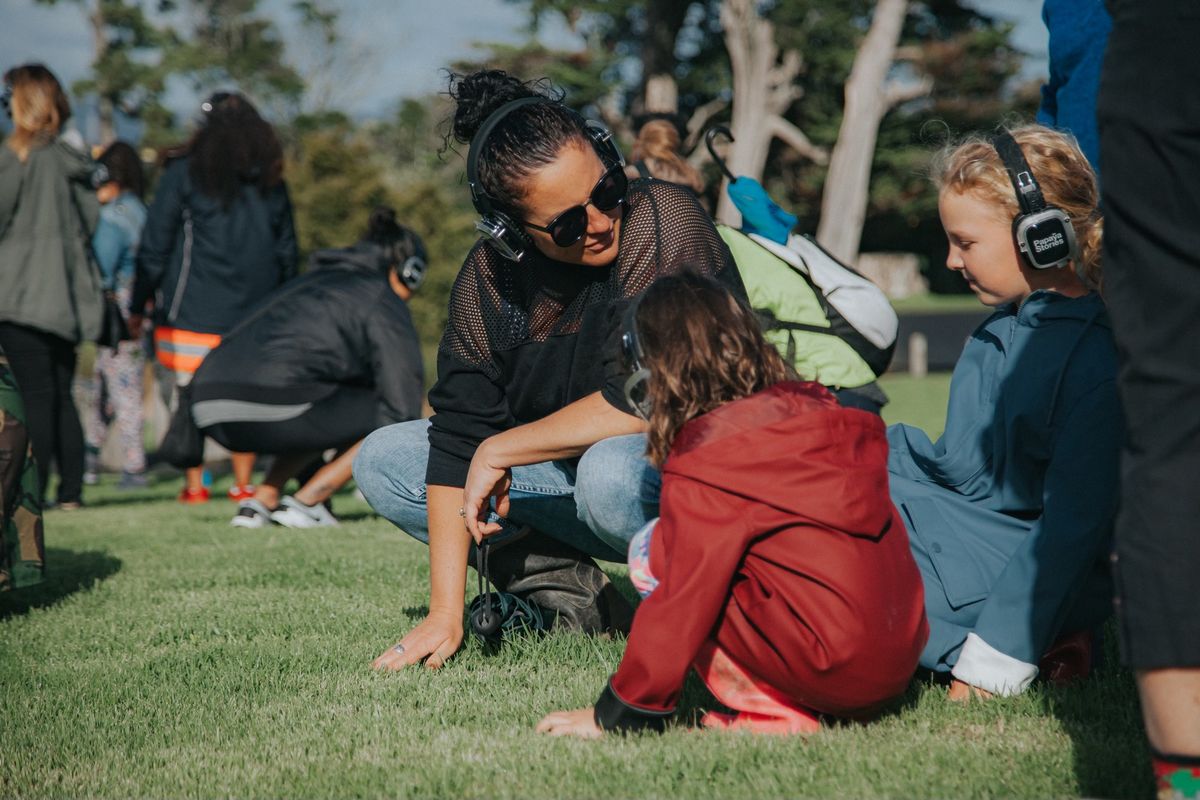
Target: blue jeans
595 505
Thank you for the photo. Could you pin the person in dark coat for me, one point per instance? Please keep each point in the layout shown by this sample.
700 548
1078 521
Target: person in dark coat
218 239
323 362
779 570
50 292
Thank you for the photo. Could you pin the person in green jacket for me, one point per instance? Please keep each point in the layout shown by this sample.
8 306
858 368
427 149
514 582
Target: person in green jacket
51 300
1010 512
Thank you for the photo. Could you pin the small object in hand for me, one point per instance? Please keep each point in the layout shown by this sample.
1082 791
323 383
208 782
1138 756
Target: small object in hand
399 649
462 512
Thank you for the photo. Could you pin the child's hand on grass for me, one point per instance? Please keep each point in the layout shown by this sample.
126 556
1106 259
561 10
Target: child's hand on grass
963 692
435 639
581 723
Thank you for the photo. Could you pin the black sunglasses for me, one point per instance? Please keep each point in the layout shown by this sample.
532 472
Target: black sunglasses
570 226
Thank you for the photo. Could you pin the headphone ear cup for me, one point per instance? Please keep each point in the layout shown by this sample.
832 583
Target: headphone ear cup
605 143
505 235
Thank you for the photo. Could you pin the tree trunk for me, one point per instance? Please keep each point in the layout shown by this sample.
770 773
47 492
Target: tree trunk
847 184
764 86
662 95
664 18
104 100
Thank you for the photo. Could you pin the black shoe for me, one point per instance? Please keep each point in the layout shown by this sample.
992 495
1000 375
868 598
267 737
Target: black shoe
494 614
564 583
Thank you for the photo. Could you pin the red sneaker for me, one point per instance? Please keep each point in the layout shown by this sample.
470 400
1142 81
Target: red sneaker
239 493
194 496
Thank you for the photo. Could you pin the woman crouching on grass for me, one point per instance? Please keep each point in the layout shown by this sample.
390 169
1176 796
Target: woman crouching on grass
779 569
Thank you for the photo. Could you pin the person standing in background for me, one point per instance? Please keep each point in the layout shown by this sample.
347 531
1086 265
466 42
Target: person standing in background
1149 113
656 154
1078 34
51 299
119 371
219 237
22 549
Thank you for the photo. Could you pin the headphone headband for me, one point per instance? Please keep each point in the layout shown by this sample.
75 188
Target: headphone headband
498 227
479 197
1029 194
1043 232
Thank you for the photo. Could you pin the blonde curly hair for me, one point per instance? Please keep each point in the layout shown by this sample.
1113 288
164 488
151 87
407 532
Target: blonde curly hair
972 166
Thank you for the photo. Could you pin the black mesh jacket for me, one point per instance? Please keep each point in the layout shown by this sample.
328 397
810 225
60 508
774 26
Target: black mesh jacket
524 340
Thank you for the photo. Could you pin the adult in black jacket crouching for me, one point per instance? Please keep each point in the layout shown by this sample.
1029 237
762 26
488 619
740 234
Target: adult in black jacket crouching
320 364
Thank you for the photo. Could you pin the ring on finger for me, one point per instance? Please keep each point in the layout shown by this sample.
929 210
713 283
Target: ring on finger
398 649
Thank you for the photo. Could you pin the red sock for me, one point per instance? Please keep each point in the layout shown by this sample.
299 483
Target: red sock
1176 777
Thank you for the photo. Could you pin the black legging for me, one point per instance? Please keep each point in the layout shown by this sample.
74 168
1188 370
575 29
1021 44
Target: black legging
44 366
338 420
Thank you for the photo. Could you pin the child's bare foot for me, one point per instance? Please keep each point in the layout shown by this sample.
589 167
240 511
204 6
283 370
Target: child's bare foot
963 692
581 723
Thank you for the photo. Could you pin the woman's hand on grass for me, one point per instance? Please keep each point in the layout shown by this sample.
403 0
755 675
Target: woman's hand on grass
581 723
485 480
963 692
434 640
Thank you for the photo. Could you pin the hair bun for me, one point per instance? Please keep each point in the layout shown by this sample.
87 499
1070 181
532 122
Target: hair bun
382 225
480 93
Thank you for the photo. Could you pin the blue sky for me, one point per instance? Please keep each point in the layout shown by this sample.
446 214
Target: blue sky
396 47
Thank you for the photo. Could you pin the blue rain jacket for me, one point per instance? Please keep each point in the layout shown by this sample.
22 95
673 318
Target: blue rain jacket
1010 512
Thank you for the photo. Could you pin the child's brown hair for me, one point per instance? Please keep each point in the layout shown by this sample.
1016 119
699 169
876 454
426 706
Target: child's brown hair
704 348
1067 180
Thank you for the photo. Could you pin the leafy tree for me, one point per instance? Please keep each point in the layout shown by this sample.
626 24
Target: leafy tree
126 71
962 54
227 41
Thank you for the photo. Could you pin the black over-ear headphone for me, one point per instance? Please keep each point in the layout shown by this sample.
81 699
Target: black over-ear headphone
1043 232
505 234
412 270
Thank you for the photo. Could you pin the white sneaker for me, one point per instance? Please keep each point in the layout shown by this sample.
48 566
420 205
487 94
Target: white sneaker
251 514
294 514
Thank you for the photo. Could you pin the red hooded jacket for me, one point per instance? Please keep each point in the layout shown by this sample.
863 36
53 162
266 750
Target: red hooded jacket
778 539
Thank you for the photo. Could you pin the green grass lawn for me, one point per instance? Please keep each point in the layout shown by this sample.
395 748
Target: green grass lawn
169 654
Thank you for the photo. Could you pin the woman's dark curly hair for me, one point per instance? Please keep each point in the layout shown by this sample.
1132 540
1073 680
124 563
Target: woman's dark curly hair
234 147
704 348
526 140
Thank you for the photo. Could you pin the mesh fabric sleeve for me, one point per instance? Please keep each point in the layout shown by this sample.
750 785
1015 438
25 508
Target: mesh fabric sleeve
468 399
665 231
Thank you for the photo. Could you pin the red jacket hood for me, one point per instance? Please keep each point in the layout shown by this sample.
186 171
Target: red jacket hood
793 447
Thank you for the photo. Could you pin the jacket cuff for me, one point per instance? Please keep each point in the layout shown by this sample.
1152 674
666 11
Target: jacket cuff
983 666
614 714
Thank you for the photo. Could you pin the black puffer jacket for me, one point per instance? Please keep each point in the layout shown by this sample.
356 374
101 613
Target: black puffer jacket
338 324
206 265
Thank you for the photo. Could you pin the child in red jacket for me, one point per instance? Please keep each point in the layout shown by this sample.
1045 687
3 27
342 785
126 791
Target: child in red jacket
779 568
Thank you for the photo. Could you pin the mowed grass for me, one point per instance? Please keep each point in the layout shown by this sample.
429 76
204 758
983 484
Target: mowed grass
170 655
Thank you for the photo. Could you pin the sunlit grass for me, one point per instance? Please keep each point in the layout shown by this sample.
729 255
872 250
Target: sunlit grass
169 654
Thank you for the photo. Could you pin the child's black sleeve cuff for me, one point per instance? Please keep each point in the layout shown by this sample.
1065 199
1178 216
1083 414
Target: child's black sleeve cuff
614 714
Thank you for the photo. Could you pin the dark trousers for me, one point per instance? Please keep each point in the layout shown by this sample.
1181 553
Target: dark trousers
338 420
1149 115
44 366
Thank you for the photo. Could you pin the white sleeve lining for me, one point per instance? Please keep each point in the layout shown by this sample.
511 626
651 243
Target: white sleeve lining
983 666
